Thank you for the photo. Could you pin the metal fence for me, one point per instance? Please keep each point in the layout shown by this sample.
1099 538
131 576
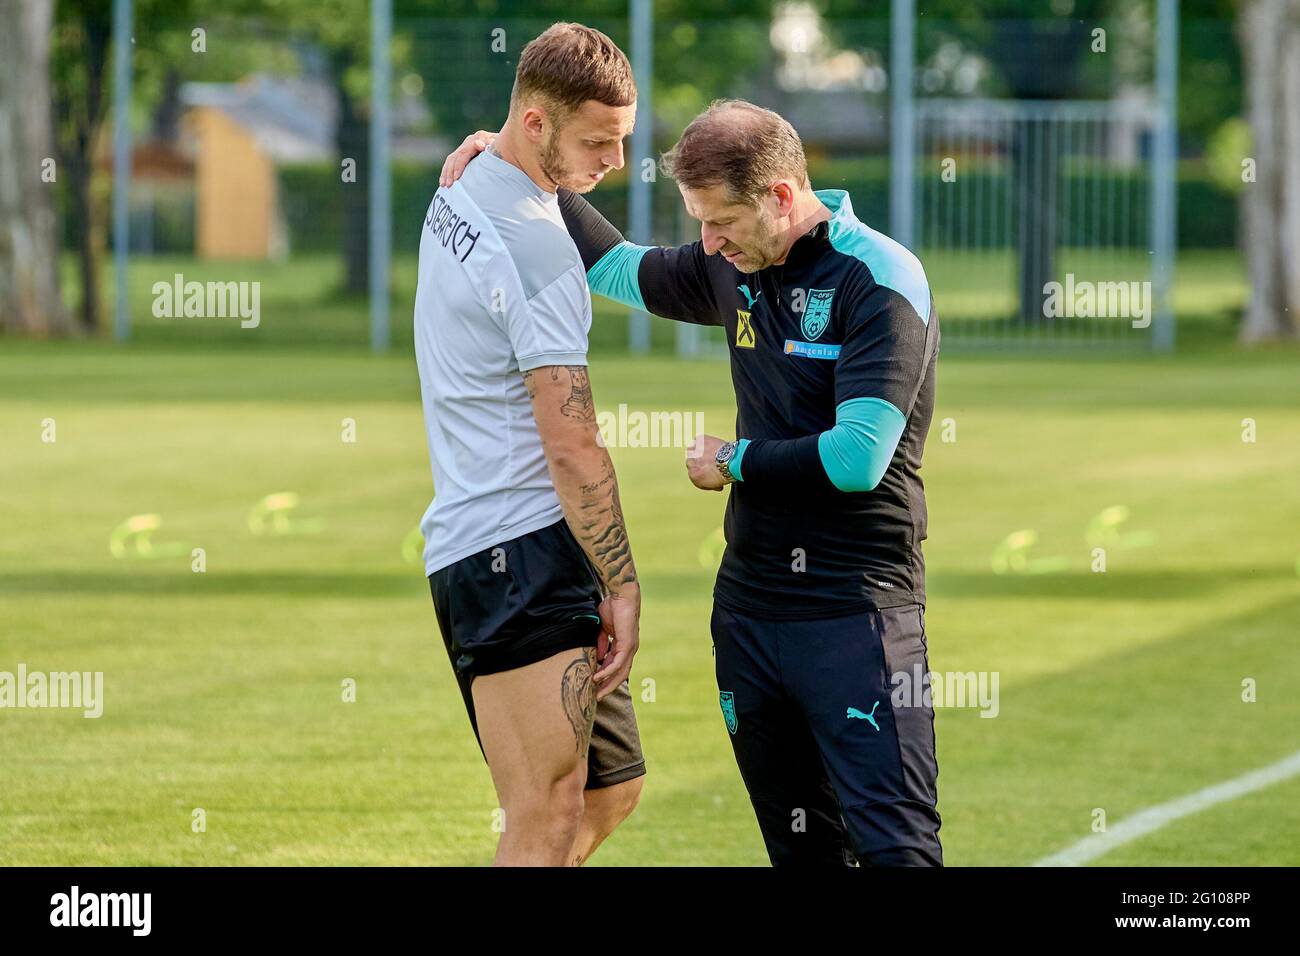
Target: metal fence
1035 220
1003 200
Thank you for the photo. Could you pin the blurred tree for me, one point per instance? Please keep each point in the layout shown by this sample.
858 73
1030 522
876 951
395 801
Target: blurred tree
340 29
29 248
1209 69
1038 51
82 41
1270 38
82 44
82 38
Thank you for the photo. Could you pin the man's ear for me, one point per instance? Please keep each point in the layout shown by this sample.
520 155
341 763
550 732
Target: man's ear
533 121
784 193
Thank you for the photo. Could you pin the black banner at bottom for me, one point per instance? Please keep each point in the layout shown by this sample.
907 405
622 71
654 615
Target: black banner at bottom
337 905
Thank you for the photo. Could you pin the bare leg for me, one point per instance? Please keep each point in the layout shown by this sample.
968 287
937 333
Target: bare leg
603 810
535 724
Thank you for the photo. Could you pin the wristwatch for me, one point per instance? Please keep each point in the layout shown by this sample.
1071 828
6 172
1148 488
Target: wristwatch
726 451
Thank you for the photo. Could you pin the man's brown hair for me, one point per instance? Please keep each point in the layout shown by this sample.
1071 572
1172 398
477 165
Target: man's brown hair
740 145
569 64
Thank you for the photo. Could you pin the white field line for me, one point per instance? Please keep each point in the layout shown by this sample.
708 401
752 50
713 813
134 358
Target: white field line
1153 818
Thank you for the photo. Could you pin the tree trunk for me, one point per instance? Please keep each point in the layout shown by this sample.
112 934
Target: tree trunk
1269 33
82 55
353 138
1035 154
29 246
1035 166
84 215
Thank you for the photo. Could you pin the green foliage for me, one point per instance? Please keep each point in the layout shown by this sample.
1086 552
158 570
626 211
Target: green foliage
1224 153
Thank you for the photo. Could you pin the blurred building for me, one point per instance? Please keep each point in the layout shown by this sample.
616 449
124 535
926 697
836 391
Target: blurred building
238 133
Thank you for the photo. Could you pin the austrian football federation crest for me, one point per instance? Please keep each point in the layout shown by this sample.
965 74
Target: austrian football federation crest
817 313
728 701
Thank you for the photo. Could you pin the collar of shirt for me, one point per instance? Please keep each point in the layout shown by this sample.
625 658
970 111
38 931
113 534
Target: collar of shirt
810 246
502 167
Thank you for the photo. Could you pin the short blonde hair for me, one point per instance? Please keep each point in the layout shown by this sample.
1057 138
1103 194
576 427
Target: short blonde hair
569 64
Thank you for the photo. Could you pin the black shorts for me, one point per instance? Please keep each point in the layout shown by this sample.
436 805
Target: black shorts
520 602
836 767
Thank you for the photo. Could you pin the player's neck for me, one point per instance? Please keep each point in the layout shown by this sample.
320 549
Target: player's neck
807 212
508 146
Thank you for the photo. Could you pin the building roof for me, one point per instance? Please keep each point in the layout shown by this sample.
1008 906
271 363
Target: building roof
293 120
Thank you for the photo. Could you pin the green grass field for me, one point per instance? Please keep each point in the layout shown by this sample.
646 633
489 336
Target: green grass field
223 690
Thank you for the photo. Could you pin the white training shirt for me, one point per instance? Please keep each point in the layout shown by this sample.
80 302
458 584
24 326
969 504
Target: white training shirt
501 290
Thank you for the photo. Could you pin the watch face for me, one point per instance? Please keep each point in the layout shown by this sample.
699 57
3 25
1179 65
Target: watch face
725 451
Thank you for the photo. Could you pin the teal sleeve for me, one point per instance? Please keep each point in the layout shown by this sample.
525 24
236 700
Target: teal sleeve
857 451
733 466
615 275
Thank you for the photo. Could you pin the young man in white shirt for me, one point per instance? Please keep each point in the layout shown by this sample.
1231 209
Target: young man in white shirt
526 550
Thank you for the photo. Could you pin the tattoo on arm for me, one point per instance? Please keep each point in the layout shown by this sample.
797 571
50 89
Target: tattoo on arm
597 487
596 517
603 532
579 404
608 535
578 696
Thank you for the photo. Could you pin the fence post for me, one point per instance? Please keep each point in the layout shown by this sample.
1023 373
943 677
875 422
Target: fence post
380 211
902 142
638 190
1164 175
121 163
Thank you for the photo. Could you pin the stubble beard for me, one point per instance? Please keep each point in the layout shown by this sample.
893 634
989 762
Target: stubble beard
553 166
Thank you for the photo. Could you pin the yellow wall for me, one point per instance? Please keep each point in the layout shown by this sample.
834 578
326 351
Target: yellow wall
234 187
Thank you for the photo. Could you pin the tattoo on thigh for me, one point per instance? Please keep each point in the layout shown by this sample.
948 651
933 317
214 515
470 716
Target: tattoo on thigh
578 695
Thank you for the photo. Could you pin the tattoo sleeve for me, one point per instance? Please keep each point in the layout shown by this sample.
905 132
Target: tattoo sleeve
583 473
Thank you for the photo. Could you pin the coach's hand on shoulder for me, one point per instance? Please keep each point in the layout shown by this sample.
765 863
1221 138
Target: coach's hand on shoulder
620 618
455 163
701 465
